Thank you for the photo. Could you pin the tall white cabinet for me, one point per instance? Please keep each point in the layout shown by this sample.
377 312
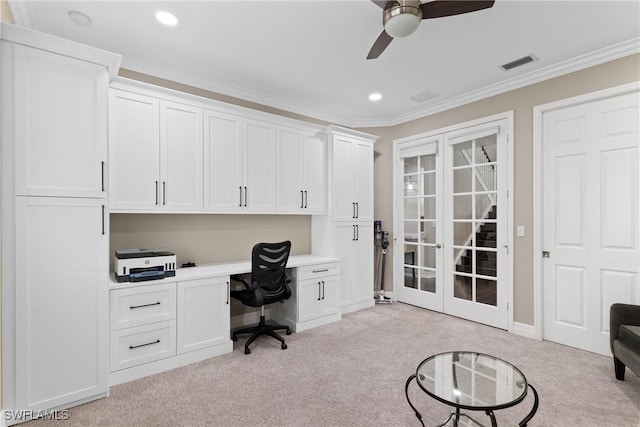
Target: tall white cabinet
347 231
54 220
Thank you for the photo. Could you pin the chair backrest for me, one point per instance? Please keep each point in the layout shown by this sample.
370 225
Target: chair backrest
268 268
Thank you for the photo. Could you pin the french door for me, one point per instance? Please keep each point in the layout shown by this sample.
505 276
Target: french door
451 228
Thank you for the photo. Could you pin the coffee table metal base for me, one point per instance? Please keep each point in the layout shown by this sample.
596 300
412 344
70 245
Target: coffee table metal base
455 416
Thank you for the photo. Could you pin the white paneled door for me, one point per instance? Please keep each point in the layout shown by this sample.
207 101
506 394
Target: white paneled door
590 218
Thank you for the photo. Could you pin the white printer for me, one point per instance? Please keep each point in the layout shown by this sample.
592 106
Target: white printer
137 265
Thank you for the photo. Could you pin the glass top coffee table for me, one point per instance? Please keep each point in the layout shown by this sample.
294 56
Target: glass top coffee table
472 381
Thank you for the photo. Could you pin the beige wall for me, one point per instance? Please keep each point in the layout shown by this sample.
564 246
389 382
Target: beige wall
206 239
5 12
521 101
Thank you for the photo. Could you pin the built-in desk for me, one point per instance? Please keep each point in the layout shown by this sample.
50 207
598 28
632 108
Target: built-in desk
163 324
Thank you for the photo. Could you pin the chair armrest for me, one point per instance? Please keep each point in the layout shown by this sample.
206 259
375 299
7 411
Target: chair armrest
622 314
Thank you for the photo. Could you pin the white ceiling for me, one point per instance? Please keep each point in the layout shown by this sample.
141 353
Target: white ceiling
309 56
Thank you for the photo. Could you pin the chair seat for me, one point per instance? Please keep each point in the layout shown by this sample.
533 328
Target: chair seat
630 336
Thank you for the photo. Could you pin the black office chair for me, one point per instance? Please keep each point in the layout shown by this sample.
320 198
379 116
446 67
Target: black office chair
269 284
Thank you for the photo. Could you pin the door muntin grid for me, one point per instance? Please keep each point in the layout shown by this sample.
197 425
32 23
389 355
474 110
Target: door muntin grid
474 199
419 221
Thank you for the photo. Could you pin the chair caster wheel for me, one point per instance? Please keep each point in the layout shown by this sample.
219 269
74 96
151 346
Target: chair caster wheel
288 331
283 346
246 350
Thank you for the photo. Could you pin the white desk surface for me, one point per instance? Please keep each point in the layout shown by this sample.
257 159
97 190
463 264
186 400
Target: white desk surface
220 269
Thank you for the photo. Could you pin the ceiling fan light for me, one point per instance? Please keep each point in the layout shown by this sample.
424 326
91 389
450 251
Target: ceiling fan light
401 25
402 18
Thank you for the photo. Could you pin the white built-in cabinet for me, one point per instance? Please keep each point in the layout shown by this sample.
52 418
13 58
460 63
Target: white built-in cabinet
354 248
203 313
161 325
315 291
155 149
240 164
60 124
347 231
353 179
55 221
301 171
172 152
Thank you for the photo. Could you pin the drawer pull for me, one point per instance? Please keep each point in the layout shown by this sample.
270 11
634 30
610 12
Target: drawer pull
143 305
131 347
321 271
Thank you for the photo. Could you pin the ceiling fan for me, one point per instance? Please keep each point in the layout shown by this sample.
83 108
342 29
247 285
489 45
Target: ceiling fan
400 18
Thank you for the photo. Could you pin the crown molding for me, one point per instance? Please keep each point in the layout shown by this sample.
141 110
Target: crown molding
234 91
581 62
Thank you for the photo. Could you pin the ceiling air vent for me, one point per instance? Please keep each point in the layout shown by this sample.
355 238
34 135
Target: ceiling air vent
423 96
519 62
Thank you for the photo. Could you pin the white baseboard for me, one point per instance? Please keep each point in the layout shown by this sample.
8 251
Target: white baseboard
524 330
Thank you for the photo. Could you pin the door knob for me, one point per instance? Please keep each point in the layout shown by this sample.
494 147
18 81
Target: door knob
438 245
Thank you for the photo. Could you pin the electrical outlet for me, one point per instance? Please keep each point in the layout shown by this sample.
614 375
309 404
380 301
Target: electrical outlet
520 231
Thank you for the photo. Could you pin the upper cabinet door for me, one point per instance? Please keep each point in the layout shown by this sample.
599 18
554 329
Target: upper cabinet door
60 125
363 170
223 162
180 157
315 172
260 167
343 185
289 170
134 152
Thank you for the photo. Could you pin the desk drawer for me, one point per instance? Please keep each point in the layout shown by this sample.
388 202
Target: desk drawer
318 270
142 305
142 344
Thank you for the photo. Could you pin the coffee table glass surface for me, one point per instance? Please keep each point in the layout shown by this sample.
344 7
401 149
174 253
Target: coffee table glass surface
469 380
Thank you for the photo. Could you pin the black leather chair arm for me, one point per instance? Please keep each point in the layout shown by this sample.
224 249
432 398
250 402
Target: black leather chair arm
622 314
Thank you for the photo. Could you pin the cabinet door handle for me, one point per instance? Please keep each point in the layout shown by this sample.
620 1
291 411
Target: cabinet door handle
301 199
164 192
156 192
305 199
318 291
357 232
102 176
131 347
240 202
228 292
353 213
133 307
323 289
354 233
357 210
245 197
103 220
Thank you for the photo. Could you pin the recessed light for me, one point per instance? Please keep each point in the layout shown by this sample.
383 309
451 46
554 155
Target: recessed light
79 18
167 18
375 97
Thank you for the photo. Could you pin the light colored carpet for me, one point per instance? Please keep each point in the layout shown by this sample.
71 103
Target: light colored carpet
352 373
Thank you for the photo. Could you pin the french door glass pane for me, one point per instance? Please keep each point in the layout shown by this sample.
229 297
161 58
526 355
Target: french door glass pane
475 220
419 203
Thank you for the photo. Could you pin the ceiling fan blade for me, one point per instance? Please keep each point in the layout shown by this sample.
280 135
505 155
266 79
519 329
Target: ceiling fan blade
441 8
380 45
